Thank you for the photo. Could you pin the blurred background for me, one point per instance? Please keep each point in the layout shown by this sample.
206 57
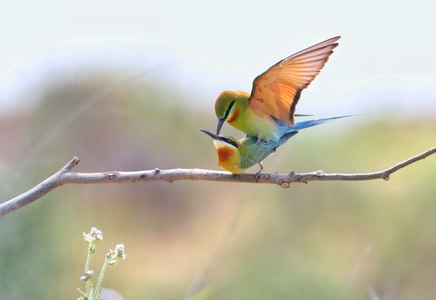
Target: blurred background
126 86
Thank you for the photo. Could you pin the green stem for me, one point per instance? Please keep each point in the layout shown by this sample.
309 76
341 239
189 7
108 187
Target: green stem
100 278
88 282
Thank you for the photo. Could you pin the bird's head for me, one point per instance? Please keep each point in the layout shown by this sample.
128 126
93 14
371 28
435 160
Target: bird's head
226 106
228 150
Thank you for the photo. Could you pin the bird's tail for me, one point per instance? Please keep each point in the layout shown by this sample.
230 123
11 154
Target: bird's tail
284 138
310 123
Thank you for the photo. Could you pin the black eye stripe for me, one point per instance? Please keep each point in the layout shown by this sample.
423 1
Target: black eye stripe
231 142
229 109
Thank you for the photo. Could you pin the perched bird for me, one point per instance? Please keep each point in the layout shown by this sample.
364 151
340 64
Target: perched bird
237 156
268 112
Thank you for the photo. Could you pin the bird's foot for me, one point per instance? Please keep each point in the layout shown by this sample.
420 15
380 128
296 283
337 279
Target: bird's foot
259 139
257 176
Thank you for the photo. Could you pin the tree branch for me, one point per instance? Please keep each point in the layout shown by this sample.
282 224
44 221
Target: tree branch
65 176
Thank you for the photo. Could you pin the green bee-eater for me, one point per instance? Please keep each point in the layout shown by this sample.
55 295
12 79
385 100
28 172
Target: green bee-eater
268 112
237 156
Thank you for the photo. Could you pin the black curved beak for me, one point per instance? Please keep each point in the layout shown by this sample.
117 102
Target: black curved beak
220 124
211 134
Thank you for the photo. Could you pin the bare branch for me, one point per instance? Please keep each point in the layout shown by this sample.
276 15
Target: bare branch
65 176
38 191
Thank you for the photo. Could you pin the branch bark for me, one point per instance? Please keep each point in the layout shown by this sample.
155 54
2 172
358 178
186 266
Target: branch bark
65 176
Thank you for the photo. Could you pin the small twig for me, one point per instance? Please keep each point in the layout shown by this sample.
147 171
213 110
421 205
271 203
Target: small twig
38 191
65 176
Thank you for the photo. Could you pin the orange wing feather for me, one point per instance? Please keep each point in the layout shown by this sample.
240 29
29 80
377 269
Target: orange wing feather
276 91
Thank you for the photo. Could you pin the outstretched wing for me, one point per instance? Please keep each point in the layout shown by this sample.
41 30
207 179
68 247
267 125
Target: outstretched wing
276 91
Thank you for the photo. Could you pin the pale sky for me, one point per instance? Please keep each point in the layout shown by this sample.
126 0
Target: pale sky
240 39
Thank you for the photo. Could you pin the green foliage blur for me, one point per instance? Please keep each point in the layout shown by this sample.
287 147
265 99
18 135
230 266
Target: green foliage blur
322 240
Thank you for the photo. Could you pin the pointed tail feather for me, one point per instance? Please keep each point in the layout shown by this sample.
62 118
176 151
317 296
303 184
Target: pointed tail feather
287 136
310 123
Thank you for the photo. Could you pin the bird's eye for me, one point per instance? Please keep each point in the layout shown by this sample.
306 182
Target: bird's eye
231 142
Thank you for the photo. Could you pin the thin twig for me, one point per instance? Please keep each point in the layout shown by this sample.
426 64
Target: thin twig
65 176
38 191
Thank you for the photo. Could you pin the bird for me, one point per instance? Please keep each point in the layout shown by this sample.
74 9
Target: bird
238 155
268 112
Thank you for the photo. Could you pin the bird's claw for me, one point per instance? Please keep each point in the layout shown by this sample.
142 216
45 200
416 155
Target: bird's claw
259 139
257 175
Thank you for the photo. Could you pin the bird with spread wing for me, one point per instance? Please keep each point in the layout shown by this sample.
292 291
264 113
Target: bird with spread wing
268 112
